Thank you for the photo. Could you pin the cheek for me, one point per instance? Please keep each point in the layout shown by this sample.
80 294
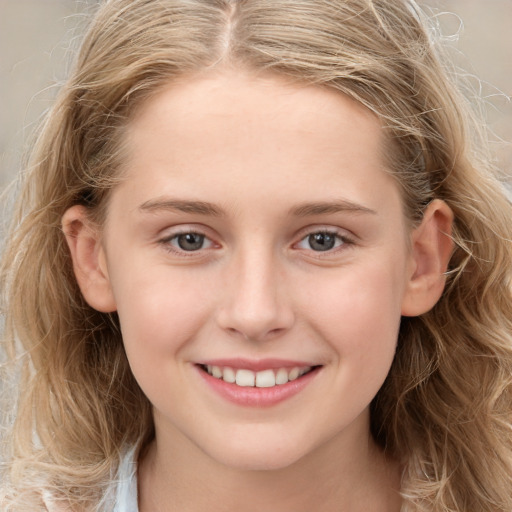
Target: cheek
160 313
159 309
358 314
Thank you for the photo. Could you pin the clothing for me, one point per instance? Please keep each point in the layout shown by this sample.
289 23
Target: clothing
122 495
126 484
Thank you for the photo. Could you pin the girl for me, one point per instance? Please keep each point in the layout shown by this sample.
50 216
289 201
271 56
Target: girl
260 262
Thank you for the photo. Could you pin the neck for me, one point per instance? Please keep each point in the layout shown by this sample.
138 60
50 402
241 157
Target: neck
338 476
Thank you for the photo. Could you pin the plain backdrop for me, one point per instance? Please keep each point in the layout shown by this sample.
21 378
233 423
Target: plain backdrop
38 39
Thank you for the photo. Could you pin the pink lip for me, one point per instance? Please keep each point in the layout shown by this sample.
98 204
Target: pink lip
255 365
253 396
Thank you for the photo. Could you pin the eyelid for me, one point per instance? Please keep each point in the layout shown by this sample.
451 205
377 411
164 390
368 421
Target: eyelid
173 232
347 238
174 241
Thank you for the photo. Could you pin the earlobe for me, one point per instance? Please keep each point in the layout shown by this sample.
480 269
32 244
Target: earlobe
431 250
88 256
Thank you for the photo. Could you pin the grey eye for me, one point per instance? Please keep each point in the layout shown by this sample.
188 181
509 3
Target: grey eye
189 241
322 241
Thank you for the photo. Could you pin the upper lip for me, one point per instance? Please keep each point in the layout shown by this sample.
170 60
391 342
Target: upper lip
256 365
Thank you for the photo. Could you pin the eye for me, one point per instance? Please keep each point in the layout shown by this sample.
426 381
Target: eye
189 242
322 241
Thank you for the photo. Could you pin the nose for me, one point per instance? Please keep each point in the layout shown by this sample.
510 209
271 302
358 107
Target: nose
255 304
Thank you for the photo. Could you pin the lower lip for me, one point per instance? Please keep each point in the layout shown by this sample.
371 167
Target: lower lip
258 397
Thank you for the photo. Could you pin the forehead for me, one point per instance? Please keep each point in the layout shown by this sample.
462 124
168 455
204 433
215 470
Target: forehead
247 101
250 133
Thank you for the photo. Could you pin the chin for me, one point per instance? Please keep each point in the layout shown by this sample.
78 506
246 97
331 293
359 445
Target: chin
258 457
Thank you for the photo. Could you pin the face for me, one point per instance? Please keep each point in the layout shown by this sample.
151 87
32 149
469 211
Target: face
258 258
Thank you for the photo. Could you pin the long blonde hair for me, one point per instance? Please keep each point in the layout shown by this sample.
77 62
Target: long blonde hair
445 409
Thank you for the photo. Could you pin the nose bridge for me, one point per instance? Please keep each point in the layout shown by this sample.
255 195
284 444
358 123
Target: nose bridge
255 303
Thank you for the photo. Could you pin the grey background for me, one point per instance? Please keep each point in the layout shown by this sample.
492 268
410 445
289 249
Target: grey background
38 38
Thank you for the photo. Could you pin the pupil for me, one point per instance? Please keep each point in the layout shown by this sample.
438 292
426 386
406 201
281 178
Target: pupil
321 241
190 241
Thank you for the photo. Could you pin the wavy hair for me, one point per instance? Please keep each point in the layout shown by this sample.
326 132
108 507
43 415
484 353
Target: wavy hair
445 409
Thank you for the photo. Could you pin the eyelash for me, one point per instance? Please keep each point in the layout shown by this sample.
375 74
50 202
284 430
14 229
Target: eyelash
341 242
167 242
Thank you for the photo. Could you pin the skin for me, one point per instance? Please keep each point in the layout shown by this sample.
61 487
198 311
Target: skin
258 150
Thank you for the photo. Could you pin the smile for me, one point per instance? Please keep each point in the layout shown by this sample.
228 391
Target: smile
257 384
261 379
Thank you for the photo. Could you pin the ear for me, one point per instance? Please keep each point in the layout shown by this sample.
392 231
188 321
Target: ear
89 261
431 250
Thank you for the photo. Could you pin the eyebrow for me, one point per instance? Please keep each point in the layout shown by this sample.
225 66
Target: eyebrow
186 206
329 207
206 208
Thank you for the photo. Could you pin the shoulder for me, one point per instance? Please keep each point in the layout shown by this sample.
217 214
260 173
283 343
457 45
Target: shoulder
120 495
126 486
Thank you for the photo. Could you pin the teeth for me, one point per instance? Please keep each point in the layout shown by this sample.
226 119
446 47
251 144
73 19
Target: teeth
263 379
294 374
229 375
245 378
282 376
217 372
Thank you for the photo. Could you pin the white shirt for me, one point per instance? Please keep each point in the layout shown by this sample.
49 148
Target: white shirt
122 495
126 484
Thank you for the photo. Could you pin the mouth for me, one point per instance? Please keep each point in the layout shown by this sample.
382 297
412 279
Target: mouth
257 383
266 378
